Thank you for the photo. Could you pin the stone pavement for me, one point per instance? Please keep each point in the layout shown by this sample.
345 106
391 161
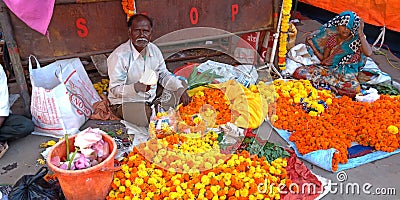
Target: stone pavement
383 173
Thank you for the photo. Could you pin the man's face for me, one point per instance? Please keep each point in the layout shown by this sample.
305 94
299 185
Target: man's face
140 33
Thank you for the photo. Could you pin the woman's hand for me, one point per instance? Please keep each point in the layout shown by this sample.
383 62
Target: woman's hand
361 29
365 46
309 41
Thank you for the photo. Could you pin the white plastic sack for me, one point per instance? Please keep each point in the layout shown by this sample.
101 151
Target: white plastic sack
379 77
297 57
244 74
300 54
370 96
62 97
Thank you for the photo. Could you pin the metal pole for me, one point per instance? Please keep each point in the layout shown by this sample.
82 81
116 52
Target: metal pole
15 57
270 65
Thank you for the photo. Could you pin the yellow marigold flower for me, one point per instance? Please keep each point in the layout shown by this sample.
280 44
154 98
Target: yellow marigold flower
184 185
272 170
111 193
208 165
313 113
244 192
51 143
122 188
128 183
139 181
393 129
205 180
117 182
199 185
40 161
150 194
297 99
177 182
214 189
320 108
237 193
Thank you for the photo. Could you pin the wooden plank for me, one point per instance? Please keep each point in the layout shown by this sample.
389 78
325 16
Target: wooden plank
13 52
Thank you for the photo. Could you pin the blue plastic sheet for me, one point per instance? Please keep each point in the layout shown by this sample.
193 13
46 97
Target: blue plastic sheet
323 158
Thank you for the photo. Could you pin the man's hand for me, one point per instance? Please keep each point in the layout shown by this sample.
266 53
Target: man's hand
184 99
2 119
140 87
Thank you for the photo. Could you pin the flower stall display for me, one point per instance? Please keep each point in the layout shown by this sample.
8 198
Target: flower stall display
190 166
327 122
90 150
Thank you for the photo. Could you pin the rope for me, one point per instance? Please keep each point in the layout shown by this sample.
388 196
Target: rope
381 37
387 58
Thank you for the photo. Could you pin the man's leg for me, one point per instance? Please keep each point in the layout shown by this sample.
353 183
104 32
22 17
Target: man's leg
15 126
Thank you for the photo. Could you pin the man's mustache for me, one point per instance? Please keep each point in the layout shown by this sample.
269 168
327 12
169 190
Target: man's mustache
142 39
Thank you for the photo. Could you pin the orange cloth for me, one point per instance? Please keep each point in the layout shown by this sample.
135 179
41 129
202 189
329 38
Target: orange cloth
375 12
102 110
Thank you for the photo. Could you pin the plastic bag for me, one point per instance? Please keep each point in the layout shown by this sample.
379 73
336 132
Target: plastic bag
34 187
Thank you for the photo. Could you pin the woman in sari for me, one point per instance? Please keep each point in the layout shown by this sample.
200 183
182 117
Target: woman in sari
341 46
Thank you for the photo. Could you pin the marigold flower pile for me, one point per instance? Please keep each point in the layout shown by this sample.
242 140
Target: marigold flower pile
211 103
191 167
371 124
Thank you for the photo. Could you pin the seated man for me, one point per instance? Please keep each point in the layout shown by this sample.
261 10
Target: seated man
341 46
126 66
11 126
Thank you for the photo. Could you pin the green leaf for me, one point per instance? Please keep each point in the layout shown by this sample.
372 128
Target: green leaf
220 137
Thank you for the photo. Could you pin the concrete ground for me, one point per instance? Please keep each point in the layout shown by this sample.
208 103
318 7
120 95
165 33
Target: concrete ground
383 173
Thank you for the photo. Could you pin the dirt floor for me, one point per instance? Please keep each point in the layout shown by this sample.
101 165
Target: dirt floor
22 155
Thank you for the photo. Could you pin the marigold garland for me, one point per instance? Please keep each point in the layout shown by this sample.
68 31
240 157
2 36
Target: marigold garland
129 7
287 6
371 124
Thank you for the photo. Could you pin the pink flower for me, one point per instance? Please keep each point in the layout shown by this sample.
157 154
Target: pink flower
82 162
56 161
87 138
102 149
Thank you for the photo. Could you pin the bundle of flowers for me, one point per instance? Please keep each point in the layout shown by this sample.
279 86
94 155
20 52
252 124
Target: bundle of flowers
162 124
208 107
102 86
345 121
90 150
151 171
304 95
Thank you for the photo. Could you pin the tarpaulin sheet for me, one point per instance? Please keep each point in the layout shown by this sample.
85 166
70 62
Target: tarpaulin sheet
375 12
323 158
